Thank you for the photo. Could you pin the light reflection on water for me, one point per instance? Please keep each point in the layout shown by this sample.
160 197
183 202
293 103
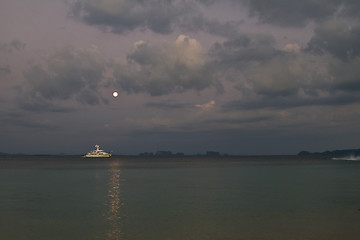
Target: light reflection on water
114 203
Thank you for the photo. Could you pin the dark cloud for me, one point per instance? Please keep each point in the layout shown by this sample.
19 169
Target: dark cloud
244 48
156 15
162 16
254 62
297 13
291 12
231 121
281 76
18 45
197 22
20 121
160 68
341 40
289 77
5 69
351 8
65 74
346 75
229 29
9 47
293 102
206 2
338 38
89 97
38 104
291 80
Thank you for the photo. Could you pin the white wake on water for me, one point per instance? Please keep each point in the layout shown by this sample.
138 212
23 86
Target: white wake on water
348 158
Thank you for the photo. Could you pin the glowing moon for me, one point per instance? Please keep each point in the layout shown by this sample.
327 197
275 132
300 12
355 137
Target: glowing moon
115 94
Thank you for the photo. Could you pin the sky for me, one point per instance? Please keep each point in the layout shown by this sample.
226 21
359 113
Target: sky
243 77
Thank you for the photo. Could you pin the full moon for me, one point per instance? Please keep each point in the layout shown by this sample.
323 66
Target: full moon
115 94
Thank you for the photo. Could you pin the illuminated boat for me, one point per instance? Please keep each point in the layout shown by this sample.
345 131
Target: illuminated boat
97 153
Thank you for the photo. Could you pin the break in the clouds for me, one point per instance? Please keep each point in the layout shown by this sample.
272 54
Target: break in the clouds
164 67
206 105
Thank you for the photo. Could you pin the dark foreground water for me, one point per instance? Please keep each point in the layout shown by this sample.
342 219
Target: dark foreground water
72 198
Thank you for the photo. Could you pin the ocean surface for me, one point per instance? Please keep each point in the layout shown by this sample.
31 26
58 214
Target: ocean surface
179 198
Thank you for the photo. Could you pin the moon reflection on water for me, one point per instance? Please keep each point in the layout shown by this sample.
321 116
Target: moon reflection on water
114 204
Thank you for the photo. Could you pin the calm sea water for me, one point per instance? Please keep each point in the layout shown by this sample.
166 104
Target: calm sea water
180 198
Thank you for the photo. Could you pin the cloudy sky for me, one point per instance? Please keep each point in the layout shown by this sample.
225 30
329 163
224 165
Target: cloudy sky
234 76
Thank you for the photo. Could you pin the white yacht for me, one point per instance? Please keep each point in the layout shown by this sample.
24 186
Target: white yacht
97 153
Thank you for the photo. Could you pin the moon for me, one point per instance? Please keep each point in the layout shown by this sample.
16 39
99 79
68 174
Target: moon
115 94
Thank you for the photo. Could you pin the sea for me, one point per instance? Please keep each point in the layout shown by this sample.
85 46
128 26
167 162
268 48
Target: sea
179 198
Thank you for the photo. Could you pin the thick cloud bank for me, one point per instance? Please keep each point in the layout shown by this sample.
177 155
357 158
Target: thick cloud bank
254 62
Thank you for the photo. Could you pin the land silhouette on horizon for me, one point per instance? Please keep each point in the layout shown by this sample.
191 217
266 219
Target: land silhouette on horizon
159 153
335 153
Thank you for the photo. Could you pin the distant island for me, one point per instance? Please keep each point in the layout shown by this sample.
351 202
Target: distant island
169 153
334 153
